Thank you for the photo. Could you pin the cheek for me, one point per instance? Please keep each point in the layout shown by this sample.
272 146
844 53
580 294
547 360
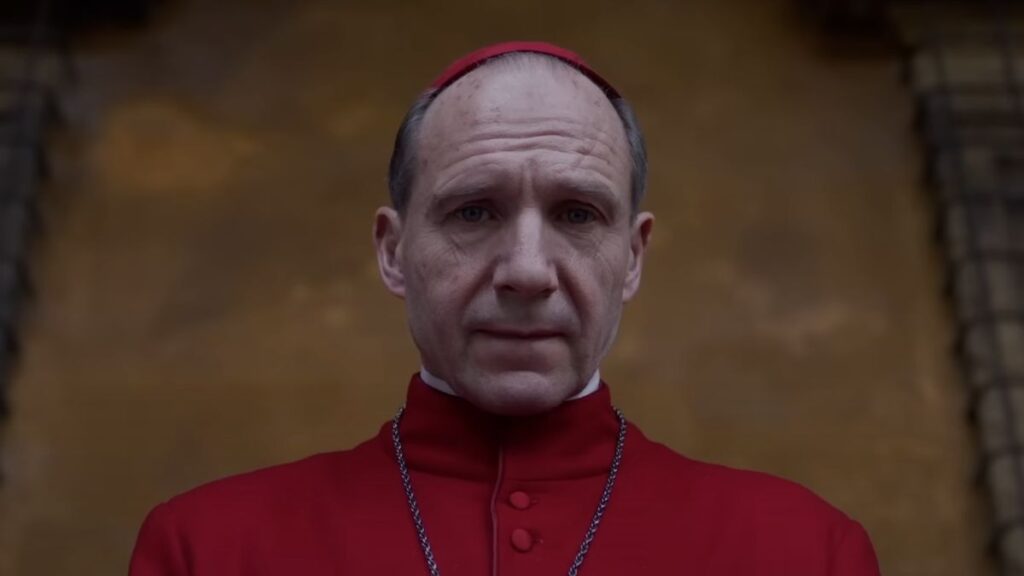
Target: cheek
598 287
441 280
606 273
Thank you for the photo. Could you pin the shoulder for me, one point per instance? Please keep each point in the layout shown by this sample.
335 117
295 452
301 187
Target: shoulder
223 524
777 522
725 492
280 491
263 482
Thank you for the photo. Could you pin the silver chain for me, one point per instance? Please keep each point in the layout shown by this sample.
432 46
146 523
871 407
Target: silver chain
417 519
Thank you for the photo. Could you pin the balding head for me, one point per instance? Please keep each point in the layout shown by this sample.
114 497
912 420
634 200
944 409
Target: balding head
405 156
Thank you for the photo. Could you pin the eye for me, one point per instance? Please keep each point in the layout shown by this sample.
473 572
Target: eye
579 215
471 213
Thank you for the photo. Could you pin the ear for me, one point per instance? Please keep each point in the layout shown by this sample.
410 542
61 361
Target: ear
640 236
387 237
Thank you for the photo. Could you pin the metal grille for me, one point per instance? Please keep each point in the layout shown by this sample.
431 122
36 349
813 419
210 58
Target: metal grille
34 61
967 76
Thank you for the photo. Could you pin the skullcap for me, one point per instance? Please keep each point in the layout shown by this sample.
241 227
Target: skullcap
476 58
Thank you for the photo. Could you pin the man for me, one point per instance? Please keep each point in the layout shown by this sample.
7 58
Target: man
514 238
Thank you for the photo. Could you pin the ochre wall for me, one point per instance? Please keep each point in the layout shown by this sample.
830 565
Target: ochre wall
208 299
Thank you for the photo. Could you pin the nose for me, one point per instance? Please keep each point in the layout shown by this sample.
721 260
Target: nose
524 266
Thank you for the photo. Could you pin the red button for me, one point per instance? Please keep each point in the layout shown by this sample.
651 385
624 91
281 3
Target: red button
519 500
522 540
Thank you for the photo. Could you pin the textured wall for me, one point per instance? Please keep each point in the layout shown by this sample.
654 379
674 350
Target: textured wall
209 303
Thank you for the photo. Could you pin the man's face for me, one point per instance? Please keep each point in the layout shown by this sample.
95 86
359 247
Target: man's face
517 249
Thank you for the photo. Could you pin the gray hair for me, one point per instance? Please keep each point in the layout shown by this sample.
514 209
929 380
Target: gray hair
401 171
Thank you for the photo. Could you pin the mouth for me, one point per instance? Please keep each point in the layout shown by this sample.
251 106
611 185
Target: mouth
521 335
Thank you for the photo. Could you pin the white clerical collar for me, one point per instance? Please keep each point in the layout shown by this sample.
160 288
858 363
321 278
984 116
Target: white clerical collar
442 386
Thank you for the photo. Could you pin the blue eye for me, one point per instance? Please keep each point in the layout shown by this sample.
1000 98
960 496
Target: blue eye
579 215
471 213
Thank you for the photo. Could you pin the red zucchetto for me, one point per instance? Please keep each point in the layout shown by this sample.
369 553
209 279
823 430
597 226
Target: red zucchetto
474 59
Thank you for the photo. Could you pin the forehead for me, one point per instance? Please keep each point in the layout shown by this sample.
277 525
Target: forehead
532 106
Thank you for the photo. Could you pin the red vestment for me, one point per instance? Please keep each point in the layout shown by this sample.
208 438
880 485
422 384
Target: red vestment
501 496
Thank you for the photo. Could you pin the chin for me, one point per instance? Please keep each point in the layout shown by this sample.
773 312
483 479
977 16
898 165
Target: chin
518 393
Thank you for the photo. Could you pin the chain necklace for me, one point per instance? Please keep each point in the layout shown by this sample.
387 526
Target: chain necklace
417 519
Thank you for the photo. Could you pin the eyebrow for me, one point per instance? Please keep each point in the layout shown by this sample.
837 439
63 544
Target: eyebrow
597 191
456 194
600 191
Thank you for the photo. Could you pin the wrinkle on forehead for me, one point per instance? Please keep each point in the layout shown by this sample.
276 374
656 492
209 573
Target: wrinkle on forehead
497 90
583 142
523 107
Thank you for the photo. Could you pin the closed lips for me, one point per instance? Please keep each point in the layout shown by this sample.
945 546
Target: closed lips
523 335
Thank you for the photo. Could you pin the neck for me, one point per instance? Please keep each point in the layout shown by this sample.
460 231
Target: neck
442 386
445 435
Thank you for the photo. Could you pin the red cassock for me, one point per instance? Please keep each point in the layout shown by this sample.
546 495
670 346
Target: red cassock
501 496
